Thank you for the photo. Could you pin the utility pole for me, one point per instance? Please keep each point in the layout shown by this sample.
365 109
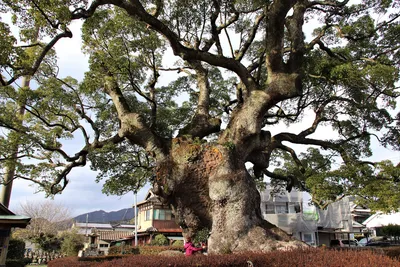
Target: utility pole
136 221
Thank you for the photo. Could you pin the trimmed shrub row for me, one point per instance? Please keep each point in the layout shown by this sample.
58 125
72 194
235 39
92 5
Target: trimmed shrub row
142 250
309 257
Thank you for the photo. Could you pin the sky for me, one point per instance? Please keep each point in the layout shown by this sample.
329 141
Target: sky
83 194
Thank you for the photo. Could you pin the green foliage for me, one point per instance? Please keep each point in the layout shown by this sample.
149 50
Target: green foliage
143 250
16 249
117 250
178 243
125 168
72 242
391 230
201 236
48 242
160 240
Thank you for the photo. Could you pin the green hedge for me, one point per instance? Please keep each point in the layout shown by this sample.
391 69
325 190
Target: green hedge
142 250
310 257
16 249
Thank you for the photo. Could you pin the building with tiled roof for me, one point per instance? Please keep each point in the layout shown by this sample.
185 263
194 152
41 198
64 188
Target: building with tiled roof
100 236
154 218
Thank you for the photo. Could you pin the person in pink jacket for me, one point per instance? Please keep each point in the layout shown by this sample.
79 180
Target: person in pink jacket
190 248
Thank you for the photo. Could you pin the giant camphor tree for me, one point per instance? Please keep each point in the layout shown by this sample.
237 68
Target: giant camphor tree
291 90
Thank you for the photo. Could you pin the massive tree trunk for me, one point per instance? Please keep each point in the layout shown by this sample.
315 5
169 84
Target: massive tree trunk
209 187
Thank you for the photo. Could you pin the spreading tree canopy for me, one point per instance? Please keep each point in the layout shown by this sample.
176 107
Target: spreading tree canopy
204 99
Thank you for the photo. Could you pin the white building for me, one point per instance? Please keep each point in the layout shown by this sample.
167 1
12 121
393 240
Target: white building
376 221
292 213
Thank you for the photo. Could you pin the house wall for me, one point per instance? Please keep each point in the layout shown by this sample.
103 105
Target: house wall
153 215
103 246
143 222
291 213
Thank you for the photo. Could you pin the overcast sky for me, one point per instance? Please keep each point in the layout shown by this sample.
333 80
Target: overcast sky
83 194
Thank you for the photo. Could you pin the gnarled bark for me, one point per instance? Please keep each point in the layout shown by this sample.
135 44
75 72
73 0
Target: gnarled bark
209 187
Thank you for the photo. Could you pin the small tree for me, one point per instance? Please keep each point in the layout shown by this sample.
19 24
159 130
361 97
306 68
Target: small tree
72 243
160 240
48 218
392 230
47 242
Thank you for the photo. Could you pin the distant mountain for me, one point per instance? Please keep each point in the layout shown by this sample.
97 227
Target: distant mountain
101 216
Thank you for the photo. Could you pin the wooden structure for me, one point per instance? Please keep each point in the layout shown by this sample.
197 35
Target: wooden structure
8 220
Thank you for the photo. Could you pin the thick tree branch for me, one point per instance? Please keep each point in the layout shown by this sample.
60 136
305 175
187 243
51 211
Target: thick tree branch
31 71
329 3
152 89
296 37
209 43
290 180
135 9
275 34
250 38
214 31
201 124
133 126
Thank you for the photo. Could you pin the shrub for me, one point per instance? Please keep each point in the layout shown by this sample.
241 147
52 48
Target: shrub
178 243
116 250
201 236
155 250
160 240
391 230
16 249
101 258
310 257
72 243
15 263
82 262
69 262
143 250
392 252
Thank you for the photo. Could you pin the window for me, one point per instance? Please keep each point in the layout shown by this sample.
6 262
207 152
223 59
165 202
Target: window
148 215
162 215
281 208
104 245
309 238
156 214
297 207
269 209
